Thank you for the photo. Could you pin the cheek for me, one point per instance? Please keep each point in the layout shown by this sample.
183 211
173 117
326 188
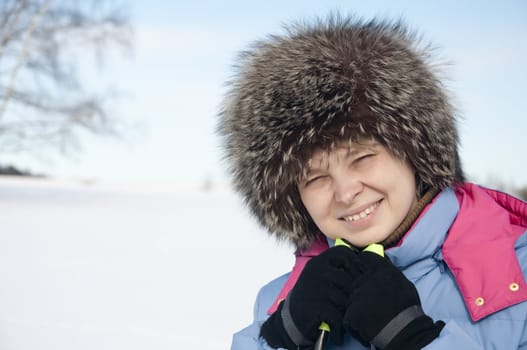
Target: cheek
406 189
397 180
308 199
315 202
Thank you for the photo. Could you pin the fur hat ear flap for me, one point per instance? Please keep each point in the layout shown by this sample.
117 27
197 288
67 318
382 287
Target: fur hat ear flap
323 83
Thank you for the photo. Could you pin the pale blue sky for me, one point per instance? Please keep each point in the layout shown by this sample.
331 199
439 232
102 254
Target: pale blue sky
184 52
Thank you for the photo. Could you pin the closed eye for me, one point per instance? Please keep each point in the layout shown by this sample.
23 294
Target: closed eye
314 179
364 157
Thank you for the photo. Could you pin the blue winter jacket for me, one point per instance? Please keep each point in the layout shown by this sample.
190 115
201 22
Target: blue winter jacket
467 257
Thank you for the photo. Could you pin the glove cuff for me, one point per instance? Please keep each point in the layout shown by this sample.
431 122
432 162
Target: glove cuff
290 327
279 330
417 334
396 325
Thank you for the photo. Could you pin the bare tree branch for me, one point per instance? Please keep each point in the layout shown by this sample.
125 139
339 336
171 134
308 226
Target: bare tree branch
42 45
9 20
23 54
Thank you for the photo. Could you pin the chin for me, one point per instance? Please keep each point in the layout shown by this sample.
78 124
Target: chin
360 242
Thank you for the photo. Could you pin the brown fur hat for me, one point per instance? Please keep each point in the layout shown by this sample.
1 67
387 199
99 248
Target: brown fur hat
319 84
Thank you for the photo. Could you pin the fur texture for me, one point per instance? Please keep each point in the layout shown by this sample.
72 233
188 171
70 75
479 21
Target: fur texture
317 85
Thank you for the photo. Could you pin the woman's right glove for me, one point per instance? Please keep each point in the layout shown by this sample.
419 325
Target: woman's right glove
320 295
384 308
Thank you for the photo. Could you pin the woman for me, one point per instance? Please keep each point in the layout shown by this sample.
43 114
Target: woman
341 129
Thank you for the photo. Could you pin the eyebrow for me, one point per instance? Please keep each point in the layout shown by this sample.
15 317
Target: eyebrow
351 151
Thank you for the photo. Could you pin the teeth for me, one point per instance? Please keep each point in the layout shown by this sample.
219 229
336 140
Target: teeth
362 214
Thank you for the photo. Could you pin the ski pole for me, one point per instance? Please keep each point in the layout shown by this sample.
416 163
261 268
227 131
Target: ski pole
324 327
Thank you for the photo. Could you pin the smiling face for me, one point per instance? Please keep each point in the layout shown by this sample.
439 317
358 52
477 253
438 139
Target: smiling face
359 192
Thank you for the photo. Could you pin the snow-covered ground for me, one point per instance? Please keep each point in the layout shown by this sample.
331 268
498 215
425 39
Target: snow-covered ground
89 266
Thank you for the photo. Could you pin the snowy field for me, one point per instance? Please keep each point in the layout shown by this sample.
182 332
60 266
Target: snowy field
105 267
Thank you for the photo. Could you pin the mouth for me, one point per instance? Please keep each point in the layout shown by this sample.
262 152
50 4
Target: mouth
362 214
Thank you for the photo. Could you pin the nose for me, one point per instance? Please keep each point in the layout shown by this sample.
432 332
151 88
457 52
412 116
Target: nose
346 188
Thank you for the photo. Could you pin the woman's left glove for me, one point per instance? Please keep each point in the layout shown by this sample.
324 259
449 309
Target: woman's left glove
319 295
384 308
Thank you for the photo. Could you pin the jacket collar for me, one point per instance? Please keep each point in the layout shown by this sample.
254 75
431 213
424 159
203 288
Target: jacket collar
479 250
424 239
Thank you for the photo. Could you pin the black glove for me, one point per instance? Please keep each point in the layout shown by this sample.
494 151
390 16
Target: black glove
320 294
384 308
